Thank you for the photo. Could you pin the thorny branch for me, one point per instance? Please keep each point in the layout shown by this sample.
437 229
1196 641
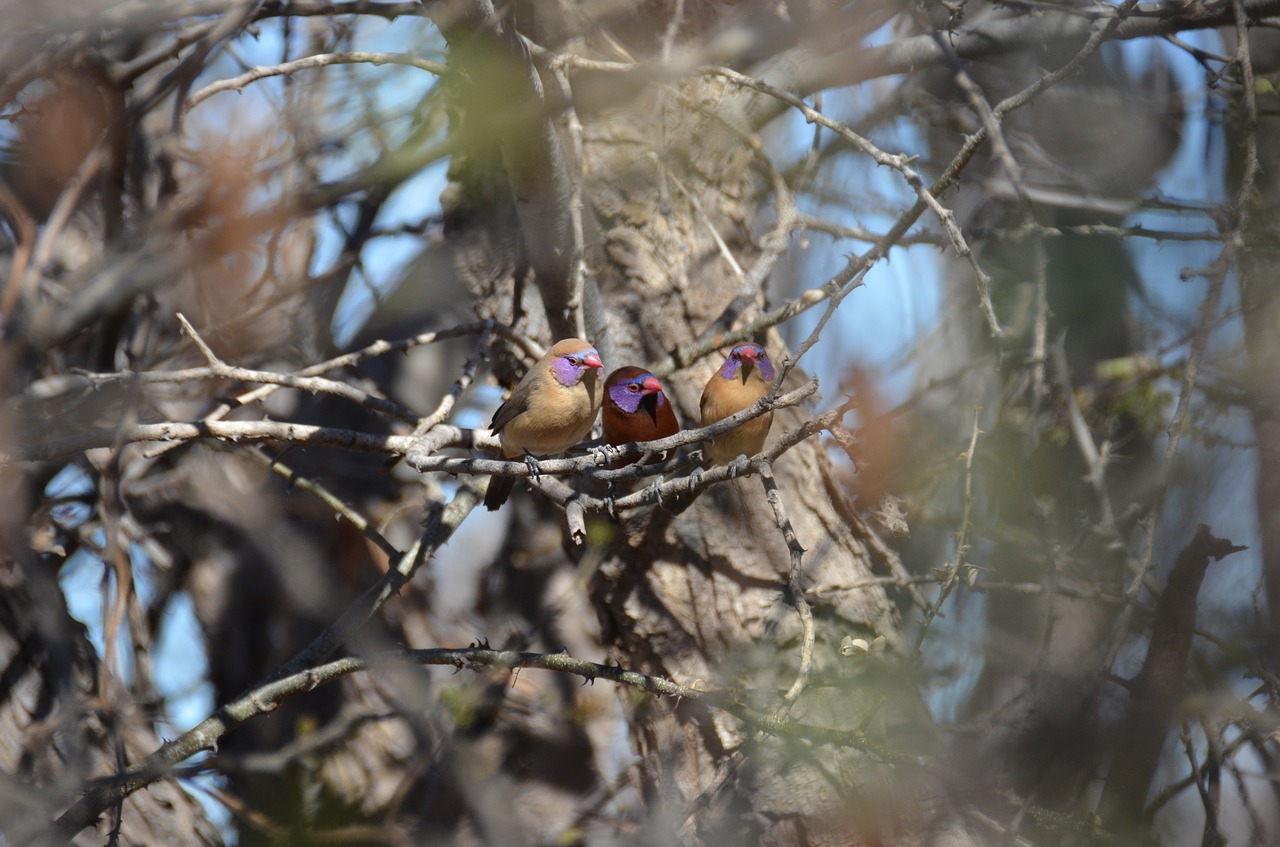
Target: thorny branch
319 60
795 591
401 445
302 678
954 570
294 676
1217 274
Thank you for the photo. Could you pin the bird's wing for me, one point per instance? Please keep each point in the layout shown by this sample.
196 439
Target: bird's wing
516 405
706 397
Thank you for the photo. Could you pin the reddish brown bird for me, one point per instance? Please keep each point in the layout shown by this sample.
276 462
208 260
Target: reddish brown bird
551 409
635 409
744 378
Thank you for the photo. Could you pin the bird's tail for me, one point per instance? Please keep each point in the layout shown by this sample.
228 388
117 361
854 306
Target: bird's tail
500 488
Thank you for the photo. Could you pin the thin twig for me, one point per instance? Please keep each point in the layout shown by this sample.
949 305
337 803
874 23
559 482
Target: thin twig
1209 306
795 591
297 675
952 569
324 495
320 60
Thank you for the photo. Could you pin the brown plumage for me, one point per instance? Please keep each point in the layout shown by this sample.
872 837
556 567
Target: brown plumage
550 410
744 378
635 409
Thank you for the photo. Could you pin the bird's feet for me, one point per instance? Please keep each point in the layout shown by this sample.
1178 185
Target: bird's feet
739 465
531 463
654 490
600 454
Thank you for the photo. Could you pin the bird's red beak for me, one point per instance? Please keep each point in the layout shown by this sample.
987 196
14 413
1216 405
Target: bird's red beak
748 353
592 360
651 385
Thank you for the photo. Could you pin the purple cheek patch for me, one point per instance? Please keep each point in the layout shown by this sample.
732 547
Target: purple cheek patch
625 400
566 372
766 369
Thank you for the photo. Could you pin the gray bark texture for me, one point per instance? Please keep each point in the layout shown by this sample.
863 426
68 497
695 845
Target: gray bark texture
698 597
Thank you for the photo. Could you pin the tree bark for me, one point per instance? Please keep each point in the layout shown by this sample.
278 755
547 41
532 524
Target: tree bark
700 597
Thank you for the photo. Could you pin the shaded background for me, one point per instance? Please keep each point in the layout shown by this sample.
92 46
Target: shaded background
1028 466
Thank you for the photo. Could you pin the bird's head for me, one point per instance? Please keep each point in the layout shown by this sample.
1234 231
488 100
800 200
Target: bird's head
573 358
745 359
628 387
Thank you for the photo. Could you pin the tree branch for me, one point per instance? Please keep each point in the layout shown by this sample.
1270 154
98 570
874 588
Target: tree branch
859 63
1156 691
298 675
319 60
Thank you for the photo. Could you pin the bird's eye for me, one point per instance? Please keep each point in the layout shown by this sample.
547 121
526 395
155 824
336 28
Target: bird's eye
573 360
633 388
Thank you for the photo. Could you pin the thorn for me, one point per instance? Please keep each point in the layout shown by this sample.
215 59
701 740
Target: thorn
609 502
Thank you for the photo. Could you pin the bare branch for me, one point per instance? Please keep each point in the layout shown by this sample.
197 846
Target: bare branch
293 677
795 591
320 60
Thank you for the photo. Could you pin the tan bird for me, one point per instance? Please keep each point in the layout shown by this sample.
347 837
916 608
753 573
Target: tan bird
745 377
551 409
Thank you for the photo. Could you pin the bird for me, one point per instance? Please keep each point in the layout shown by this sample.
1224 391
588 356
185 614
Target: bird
635 409
552 408
744 378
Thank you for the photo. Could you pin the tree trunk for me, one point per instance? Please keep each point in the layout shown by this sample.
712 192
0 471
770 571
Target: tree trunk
699 597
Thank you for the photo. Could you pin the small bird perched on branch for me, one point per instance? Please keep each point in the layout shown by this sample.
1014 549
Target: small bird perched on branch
550 410
745 377
635 409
